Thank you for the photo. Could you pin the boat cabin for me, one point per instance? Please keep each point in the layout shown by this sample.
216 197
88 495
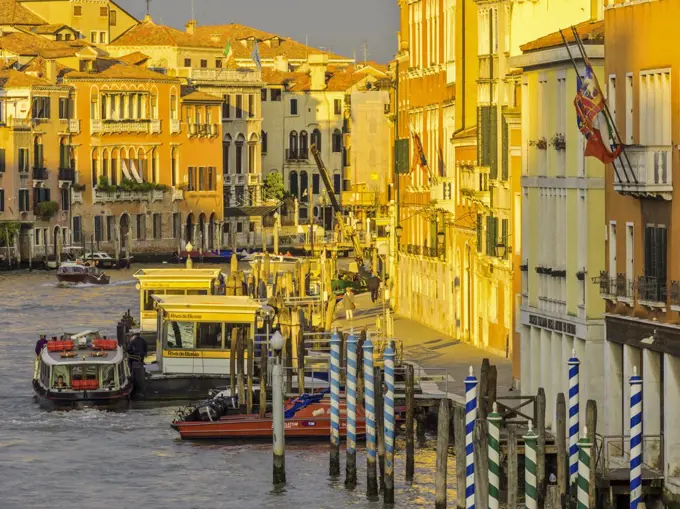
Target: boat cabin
172 282
195 331
69 365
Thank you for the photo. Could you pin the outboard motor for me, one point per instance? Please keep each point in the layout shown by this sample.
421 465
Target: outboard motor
213 409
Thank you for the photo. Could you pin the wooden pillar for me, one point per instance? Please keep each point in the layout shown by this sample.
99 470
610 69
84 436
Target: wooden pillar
540 446
264 360
483 389
241 369
250 362
481 441
410 446
591 424
561 443
513 478
459 438
232 360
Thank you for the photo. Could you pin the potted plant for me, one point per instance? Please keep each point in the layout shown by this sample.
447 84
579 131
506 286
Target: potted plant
540 144
524 267
46 209
581 275
558 142
78 187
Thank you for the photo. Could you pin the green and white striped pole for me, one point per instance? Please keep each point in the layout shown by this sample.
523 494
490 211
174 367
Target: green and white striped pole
530 492
495 421
583 482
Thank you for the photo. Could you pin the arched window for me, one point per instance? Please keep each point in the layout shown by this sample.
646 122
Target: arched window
154 166
38 159
95 165
226 149
292 145
337 140
142 166
105 164
336 182
304 196
174 166
293 186
252 160
240 140
316 139
114 167
304 145
264 142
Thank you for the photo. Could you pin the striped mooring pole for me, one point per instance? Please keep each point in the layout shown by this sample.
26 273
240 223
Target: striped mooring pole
583 483
635 439
530 492
351 464
470 417
335 405
388 355
369 409
495 421
574 364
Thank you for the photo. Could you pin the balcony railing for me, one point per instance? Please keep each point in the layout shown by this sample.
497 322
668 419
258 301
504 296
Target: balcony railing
625 288
488 67
39 174
120 196
19 123
253 179
177 194
651 289
68 174
76 196
175 125
155 126
474 184
204 130
652 167
444 195
422 250
607 284
74 125
98 126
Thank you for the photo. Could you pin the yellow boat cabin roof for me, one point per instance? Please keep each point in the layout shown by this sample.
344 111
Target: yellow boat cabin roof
175 278
208 307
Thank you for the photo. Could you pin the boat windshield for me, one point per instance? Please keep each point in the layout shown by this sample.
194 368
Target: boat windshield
201 335
148 295
68 376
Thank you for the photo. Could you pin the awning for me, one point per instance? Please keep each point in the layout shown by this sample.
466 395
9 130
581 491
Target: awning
260 211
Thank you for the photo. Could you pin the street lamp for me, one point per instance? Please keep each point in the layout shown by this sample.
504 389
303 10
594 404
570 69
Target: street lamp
440 243
189 248
399 230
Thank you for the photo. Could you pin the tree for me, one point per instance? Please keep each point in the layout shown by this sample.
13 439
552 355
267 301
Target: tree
273 187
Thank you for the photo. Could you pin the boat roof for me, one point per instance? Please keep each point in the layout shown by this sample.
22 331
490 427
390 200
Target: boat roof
83 357
176 274
206 307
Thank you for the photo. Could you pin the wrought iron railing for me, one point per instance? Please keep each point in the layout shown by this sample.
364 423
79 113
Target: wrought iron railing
607 284
625 287
675 293
612 452
651 289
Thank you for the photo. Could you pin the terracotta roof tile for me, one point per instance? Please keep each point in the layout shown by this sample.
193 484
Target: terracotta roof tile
134 58
13 13
36 67
148 33
589 31
27 44
113 69
189 94
10 78
50 29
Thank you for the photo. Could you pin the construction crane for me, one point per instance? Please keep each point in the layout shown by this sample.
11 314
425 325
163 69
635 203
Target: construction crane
348 230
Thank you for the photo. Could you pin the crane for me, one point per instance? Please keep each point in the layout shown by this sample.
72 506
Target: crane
348 230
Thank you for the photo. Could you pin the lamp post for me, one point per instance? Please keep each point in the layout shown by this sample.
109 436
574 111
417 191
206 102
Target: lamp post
441 252
189 248
398 231
276 343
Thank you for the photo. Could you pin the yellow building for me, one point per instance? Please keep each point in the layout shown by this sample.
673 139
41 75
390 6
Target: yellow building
562 211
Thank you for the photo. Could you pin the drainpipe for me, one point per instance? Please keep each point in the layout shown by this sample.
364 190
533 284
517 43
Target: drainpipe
462 127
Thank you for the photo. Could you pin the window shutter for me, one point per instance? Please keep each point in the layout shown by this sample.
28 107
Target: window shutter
661 261
650 251
2 159
504 235
479 233
480 137
504 150
492 145
21 159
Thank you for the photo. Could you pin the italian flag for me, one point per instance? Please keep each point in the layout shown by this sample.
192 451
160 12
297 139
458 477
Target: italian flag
228 52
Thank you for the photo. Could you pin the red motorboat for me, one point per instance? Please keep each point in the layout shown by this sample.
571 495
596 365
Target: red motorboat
306 416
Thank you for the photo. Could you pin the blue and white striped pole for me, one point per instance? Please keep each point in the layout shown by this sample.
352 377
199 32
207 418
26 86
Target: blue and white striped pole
351 464
335 404
635 439
369 409
470 417
573 417
389 424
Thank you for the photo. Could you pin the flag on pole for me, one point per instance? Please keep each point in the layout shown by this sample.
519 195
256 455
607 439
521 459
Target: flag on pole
228 51
255 55
419 158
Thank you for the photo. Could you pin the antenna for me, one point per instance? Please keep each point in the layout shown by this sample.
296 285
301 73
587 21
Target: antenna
148 7
193 17
365 51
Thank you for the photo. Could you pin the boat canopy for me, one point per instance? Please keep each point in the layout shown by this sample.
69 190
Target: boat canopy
55 358
208 308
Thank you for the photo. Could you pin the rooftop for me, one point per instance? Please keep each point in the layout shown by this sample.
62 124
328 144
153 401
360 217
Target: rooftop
108 68
134 58
10 78
189 94
591 32
13 13
28 44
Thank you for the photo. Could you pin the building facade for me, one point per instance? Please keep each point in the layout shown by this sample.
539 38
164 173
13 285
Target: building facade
640 281
561 210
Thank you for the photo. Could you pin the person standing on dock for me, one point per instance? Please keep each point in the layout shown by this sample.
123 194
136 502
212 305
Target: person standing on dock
348 304
138 349
373 286
40 344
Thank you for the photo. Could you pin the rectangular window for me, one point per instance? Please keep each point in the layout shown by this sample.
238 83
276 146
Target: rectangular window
226 148
102 37
93 37
337 142
251 106
612 249
40 107
77 229
218 63
226 107
2 200
201 179
65 205
275 94
336 183
204 63
176 225
629 108
156 226
2 159
23 159
337 106
98 228
190 183
37 235
239 106
141 227
77 10
113 18
263 94
293 107
611 96
263 142
655 108
479 233
239 227
103 11
212 178
239 158
64 108
110 228
187 62
24 204
630 252
315 183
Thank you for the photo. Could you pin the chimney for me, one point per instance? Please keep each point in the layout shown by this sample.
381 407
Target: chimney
318 64
281 63
147 19
215 37
190 26
51 70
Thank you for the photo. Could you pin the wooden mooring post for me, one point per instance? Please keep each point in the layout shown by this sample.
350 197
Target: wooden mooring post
410 445
232 360
482 390
561 442
264 360
513 474
440 479
540 446
481 441
459 439
380 424
251 367
240 361
591 425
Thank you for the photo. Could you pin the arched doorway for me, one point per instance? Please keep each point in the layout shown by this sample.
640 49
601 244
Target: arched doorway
124 231
189 232
211 232
201 232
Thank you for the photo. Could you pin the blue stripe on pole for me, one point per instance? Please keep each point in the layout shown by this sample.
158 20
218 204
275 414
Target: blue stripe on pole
335 389
470 417
369 399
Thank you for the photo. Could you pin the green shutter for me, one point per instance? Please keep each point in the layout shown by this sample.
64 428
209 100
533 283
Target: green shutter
492 145
479 233
2 159
504 236
504 150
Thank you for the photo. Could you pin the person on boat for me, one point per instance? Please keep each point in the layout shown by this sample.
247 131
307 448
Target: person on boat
137 350
60 384
40 344
348 304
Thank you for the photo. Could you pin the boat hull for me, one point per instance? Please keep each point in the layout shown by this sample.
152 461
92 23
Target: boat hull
77 400
83 278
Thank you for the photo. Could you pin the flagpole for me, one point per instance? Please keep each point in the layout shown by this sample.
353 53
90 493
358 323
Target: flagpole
608 116
578 74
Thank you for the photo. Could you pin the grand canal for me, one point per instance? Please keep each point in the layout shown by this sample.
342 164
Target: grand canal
89 459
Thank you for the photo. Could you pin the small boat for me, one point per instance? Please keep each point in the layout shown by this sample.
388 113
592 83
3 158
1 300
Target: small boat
80 371
254 258
106 261
306 416
74 272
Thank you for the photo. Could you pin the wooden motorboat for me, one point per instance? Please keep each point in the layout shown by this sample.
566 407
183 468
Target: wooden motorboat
74 272
80 371
306 416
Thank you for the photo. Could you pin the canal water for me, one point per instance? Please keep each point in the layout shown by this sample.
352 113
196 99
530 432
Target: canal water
90 458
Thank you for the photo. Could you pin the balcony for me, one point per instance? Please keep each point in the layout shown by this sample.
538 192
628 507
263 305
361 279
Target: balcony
450 72
177 194
67 174
76 196
239 180
175 126
122 196
651 291
444 194
19 123
625 288
607 285
39 174
430 252
652 166
203 130
74 125
474 184
226 179
155 126
98 126
297 155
